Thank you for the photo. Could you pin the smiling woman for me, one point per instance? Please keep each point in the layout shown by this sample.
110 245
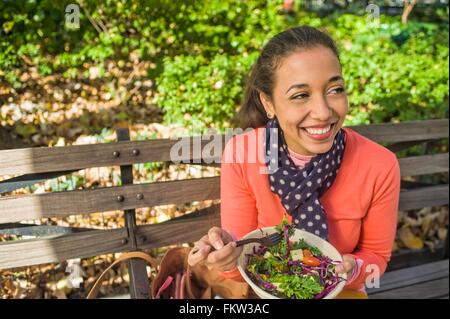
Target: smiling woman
298 75
329 180
311 111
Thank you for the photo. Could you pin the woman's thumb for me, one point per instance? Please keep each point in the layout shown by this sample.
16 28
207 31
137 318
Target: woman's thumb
215 237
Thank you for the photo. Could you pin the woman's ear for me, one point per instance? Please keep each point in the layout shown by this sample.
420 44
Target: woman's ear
268 105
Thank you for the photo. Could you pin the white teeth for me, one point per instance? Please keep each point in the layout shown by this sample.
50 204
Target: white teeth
318 131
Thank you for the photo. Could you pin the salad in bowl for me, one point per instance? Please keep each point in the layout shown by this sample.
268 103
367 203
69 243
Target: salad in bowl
300 266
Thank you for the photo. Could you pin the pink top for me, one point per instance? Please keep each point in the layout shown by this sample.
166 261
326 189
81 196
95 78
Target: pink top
299 160
361 205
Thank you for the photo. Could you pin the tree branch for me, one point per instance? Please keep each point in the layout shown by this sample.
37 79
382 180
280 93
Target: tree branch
407 8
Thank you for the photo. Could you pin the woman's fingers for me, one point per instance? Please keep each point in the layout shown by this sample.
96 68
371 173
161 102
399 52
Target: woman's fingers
215 237
230 261
223 257
199 253
347 265
217 257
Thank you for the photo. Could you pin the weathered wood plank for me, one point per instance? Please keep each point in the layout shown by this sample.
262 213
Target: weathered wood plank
425 164
180 230
406 131
411 276
59 204
54 159
399 146
423 197
425 290
75 157
55 249
188 228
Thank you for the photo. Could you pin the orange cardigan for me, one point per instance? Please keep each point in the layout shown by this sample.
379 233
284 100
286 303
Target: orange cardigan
361 205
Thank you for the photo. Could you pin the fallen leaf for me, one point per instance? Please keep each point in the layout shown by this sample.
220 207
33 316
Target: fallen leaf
409 239
442 233
25 130
19 293
426 224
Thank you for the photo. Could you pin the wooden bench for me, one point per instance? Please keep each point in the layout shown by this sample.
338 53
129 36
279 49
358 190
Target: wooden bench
427 281
56 243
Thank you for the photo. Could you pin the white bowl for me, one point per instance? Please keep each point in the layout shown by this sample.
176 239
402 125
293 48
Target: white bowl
325 247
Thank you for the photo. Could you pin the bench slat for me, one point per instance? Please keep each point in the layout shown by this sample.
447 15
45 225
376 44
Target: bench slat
55 159
30 252
181 230
425 290
411 276
425 164
60 204
424 197
76 157
406 131
410 166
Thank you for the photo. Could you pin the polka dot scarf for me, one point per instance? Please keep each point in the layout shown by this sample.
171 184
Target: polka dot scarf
301 189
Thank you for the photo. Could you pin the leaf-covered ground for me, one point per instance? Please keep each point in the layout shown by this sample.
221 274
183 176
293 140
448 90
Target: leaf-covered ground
49 108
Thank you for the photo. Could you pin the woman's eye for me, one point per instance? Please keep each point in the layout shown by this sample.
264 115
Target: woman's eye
300 96
338 90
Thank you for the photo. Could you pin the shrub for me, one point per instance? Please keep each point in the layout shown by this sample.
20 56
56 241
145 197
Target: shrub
394 72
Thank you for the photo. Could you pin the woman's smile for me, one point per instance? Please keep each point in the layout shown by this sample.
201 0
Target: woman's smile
318 132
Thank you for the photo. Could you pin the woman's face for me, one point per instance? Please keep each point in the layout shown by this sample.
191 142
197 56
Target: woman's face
309 100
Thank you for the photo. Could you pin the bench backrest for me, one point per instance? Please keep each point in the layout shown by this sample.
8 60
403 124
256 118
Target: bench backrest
37 164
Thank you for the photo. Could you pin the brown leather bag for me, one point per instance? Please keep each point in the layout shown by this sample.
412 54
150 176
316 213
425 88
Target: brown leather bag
175 279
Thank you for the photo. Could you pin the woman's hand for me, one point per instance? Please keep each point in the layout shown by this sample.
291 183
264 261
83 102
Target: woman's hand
225 255
346 266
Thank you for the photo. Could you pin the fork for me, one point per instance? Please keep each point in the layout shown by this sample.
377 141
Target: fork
267 241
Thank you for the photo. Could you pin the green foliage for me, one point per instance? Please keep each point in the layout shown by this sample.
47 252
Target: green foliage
203 51
386 81
69 183
198 92
203 86
390 82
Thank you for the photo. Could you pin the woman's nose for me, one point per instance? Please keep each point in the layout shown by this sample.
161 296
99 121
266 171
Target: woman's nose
321 110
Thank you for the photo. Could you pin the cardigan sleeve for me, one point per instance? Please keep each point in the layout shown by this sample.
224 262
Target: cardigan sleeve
237 203
238 210
378 227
